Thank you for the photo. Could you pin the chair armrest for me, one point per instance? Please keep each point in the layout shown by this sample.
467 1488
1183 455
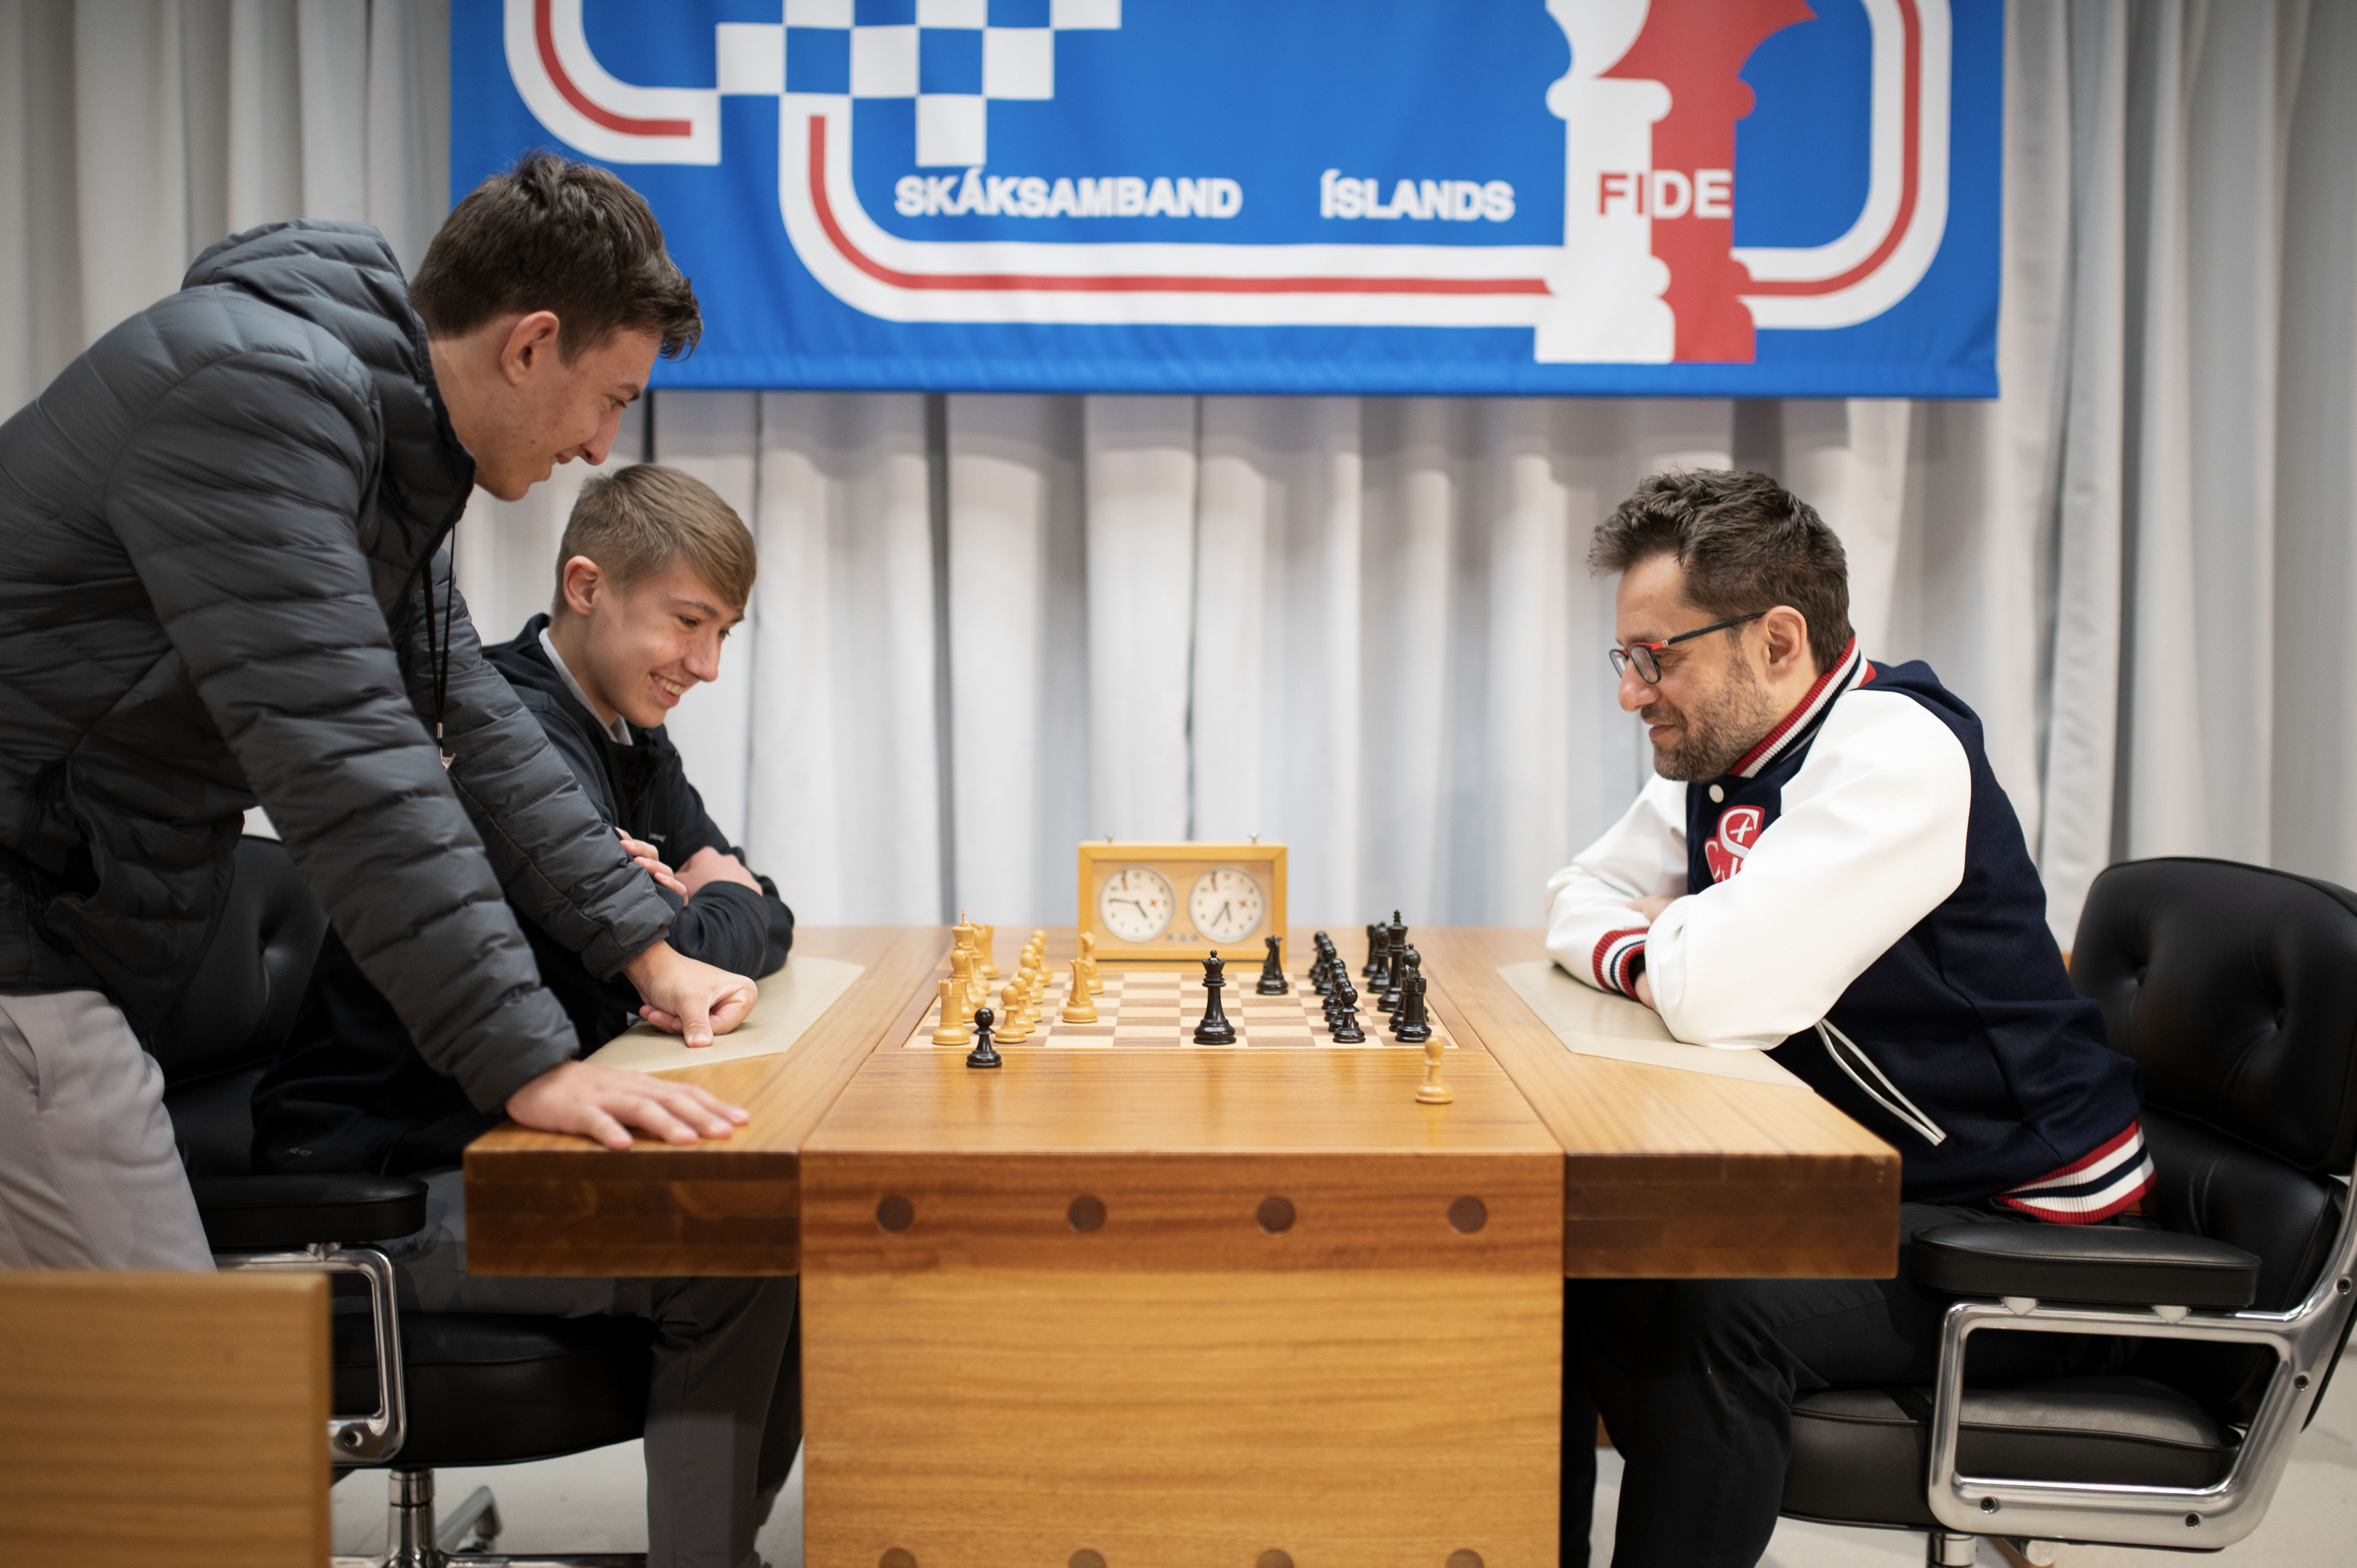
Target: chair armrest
2103 1264
255 1213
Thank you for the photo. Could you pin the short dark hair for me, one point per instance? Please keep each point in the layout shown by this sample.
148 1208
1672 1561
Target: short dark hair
1746 544
646 518
550 234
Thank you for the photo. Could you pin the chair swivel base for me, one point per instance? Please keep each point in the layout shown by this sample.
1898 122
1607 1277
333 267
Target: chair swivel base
462 1540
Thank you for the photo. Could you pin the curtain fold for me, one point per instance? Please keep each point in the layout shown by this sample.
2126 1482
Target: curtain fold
987 627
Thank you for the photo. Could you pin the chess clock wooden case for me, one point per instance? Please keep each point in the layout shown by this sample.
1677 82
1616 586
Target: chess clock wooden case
1182 901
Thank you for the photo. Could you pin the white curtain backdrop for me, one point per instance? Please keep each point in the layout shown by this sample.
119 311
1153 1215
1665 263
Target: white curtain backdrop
989 627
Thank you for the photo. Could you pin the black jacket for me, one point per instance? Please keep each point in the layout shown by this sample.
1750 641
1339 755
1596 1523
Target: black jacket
350 1092
216 528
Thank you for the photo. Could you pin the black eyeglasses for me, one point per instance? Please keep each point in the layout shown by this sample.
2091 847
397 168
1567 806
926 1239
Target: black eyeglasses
1641 654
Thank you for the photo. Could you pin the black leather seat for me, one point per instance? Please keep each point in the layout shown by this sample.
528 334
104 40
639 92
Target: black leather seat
482 1389
495 1389
2235 988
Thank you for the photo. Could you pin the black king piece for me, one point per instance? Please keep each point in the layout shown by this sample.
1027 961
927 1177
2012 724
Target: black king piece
1215 1029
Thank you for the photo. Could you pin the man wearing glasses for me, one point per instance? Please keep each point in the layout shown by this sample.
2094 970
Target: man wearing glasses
1824 868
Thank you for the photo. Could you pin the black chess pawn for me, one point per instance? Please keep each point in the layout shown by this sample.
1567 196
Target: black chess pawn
1396 969
1215 1029
1342 1013
983 1054
1412 1024
1375 939
1272 973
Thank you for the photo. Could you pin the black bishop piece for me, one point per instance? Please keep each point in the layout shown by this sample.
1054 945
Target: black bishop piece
1272 973
1412 1024
1215 1029
983 1054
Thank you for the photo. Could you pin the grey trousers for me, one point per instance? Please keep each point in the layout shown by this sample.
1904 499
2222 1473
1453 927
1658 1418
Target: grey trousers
720 1345
89 1177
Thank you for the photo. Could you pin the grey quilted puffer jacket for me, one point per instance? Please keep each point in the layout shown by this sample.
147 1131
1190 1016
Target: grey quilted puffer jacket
216 528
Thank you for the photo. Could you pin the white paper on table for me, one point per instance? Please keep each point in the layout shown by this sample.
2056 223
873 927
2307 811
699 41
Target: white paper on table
792 1000
1596 1024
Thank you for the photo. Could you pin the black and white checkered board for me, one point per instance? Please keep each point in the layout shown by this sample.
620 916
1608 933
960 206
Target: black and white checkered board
1161 1008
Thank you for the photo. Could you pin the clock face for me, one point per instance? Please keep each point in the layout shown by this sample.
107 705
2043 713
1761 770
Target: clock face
1136 904
1225 905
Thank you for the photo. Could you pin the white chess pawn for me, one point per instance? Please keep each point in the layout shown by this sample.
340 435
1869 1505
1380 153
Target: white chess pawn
1017 1025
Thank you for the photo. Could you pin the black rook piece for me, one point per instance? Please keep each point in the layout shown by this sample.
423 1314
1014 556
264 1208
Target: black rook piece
1395 966
1215 1029
1412 1024
983 1054
1272 973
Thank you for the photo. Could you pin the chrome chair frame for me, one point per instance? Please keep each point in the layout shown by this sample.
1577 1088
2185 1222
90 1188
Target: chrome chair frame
2305 1340
377 1436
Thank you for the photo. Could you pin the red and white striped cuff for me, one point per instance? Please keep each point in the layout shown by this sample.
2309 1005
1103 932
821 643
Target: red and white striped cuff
1614 962
2092 1187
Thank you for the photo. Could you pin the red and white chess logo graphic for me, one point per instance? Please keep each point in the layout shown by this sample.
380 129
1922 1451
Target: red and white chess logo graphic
1739 830
1648 270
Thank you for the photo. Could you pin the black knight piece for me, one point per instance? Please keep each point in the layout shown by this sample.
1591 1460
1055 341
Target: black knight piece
1215 1029
1272 973
983 1054
1412 1024
1321 971
1374 967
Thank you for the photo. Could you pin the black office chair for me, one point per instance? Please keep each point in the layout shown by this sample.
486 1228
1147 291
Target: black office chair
439 1388
2235 988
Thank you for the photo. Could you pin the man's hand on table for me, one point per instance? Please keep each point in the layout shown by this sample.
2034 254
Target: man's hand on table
1652 910
686 997
683 997
605 1104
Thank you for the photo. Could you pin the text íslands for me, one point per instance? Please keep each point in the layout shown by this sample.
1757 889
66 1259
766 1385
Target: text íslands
1450 201
1029 196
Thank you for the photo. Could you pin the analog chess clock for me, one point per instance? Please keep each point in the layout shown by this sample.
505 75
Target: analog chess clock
1180 901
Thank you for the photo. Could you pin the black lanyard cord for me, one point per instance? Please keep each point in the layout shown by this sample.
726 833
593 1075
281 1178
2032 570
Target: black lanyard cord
440 655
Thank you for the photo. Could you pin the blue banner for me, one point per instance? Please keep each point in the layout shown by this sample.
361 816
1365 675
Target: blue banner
1725 198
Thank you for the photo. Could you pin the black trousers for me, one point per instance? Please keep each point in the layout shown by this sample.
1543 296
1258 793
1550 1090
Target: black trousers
1695 1380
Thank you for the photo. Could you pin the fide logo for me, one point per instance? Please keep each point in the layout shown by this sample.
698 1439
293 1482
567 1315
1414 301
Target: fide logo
1738 829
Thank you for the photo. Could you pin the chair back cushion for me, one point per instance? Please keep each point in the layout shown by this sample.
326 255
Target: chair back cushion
2234 989
237 1010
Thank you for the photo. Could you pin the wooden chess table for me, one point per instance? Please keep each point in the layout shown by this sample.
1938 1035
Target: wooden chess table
1129 1301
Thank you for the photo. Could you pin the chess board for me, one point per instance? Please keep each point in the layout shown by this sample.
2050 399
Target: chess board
1159 1009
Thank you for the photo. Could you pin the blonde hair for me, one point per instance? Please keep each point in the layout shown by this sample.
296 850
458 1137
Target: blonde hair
647 518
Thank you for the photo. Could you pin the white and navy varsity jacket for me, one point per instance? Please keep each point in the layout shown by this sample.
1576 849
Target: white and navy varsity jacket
1854 897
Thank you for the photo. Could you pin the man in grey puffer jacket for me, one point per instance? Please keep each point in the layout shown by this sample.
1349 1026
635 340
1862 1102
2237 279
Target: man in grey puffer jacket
223 580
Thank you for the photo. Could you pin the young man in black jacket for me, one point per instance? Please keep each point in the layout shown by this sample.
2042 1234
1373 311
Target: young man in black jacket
653 573
655 570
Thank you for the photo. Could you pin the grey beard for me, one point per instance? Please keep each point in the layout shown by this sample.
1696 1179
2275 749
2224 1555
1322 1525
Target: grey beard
1718 731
